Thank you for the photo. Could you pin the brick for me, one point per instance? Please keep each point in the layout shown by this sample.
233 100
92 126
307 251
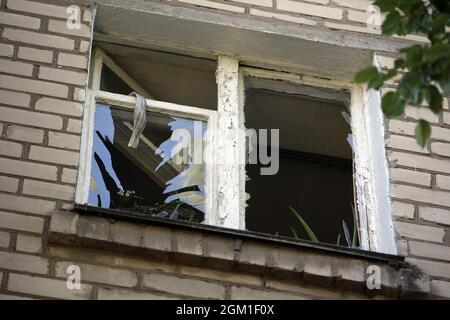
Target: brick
69 175
446 116
19 20
188 242
35 54
99 274
27 243
403 210
122 294
184 286
435 215
310 9
304 292
157 238
421 195
39 39
421 113
280 16
38 8
26 204
410 176
59 106
358 16
64 222
429 250
84 46
28 169
317 267
15 67
443 182
48 190
62 140
442 149
419 161
6 50
59 75
21 222
34 86
31 118
23 262
61 27
93 228
87 15
432 268
11 149
219 247
74 125
261 3
45 287
402 247
4 239
214 5
58 156
26 134
219 275
9 184
404 143
420 232
355 4
127 233
440 288
386 62
79 94
15 98
253 253
72 60
244 293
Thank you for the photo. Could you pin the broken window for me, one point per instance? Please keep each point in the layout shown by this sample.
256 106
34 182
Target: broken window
312 184
164 176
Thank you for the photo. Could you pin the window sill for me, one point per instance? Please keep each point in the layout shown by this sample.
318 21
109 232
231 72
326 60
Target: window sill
220 248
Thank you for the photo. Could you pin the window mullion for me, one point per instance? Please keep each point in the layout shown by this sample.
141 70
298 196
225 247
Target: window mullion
229 172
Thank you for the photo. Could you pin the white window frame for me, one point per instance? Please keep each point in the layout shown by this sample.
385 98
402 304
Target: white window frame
225 179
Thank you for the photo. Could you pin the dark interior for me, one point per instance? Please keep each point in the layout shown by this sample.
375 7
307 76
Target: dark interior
315 167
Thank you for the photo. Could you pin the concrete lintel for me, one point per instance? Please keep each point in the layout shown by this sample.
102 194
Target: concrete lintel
254 41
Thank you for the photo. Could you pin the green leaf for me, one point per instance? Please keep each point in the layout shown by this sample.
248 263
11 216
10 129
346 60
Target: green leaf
294 232
423 132
346 233
392 105
308 230
437 51
385 5
366 74
435 100
338 242
391 23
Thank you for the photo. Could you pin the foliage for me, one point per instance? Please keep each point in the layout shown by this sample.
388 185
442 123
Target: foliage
351 242
423 70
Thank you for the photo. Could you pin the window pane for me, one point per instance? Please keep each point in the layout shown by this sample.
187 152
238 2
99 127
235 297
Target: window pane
165 76
159 177
315 167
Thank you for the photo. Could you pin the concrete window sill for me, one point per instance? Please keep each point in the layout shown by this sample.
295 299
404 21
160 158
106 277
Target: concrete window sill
218 248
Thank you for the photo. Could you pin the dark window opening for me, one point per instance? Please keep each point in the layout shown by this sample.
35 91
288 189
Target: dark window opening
315 175
169 77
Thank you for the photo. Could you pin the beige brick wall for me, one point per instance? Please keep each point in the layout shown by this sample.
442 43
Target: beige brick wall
43 68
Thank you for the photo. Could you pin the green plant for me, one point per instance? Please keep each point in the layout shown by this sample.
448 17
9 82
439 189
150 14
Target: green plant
423 70
352 243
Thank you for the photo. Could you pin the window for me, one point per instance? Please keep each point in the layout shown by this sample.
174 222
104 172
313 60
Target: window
314 176
310 132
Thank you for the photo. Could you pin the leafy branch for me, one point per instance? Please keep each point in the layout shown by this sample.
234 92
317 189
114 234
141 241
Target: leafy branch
423 71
